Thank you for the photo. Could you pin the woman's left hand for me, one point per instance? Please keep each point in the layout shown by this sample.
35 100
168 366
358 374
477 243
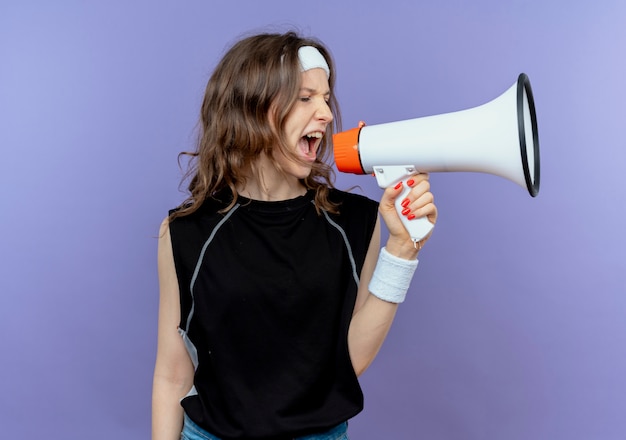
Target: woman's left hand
419 202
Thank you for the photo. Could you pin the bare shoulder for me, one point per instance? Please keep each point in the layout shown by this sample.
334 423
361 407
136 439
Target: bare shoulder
165 254
164 228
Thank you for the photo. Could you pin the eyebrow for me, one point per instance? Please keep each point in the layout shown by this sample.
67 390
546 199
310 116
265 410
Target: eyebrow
313 91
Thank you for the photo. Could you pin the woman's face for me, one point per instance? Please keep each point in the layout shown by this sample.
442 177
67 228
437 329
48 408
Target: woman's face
306 124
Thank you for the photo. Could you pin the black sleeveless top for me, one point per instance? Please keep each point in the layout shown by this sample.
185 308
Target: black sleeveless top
267 292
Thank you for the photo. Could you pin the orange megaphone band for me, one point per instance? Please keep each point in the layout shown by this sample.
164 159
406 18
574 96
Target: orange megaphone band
346 148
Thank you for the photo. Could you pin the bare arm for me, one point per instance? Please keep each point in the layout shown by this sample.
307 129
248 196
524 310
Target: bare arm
372 316
173 372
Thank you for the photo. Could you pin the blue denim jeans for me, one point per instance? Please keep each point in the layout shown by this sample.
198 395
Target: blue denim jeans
191 431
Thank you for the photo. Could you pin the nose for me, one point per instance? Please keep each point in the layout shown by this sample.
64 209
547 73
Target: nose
323 112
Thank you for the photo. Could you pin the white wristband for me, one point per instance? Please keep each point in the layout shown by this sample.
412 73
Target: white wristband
392 277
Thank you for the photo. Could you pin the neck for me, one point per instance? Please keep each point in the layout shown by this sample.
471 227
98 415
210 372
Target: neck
267 183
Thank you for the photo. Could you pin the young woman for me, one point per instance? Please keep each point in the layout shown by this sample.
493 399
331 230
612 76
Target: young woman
274 292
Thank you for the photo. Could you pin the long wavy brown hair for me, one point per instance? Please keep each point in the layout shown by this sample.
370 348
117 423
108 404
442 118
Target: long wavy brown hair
246 103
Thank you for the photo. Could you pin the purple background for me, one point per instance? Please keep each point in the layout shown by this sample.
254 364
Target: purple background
515 326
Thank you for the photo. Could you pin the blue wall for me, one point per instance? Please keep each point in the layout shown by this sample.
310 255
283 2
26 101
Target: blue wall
515 326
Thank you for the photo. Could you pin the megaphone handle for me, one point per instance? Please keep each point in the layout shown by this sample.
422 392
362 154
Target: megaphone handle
390 175
418 228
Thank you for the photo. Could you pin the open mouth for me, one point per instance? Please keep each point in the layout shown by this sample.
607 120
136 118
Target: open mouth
308 144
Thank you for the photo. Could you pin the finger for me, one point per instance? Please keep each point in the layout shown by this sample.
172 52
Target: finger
417 178
424 205
423 200
418 188
395 191
420 202
418 196
429 211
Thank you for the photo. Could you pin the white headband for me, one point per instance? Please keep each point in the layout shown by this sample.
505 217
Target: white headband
311 58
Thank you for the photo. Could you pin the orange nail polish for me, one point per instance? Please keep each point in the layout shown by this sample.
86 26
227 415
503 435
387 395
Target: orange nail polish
410 182
398 185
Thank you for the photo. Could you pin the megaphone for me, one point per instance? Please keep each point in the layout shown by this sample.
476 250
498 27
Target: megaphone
499 138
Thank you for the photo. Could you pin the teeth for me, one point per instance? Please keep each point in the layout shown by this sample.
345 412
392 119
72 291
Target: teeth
317 134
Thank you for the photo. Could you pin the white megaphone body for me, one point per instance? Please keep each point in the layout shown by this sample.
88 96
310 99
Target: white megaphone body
499 138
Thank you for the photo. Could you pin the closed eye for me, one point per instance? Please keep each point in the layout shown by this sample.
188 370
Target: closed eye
309 93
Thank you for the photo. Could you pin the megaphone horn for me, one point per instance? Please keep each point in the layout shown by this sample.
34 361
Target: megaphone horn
499 138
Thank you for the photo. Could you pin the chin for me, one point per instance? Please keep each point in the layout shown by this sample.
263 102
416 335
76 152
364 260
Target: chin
304 175
300 172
